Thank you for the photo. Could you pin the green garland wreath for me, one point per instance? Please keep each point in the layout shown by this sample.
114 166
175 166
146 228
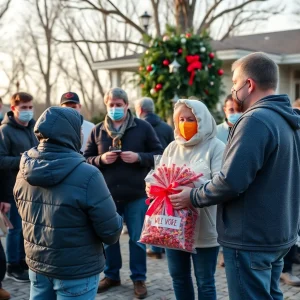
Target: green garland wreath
179 66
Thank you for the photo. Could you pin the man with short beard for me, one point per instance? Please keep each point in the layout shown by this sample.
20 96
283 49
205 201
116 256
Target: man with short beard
257 189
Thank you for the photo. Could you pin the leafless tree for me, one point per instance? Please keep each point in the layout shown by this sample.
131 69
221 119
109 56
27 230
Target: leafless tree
41 29
4 6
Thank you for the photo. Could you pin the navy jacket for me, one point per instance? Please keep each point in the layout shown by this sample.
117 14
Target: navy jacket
125 181
258 188
163 131
15 139
66 208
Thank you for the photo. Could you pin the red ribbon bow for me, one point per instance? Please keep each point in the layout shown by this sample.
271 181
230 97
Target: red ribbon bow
161 194
193 64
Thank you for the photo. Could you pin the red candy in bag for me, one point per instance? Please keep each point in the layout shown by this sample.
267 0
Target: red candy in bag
165 226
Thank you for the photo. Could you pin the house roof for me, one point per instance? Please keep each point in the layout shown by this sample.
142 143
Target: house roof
280 42
282 46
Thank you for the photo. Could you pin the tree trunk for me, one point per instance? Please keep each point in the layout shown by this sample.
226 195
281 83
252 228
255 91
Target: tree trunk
184 14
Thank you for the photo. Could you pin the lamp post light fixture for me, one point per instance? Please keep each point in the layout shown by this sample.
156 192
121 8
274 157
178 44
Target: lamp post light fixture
145 18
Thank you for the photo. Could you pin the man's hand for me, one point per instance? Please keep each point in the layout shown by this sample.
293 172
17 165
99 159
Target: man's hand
182 199
4 207
129 157
109 158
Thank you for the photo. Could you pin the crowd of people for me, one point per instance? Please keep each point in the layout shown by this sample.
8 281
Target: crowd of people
68 186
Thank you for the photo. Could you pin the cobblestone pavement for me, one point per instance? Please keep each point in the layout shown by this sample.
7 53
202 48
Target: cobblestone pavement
158 283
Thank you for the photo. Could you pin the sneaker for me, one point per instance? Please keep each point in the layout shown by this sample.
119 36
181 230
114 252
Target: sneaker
290 279
17 273
4 295
140 289
107 283
125 229
153 254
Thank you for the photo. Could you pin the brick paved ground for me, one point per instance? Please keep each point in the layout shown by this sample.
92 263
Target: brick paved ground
158 283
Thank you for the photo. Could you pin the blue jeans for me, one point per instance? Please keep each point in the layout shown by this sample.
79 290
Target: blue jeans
204 262
47 288
253 275
134 214
14 240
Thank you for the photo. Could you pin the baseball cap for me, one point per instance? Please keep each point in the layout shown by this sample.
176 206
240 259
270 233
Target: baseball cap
69 97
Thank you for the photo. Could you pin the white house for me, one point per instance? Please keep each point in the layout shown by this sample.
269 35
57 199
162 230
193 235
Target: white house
283 47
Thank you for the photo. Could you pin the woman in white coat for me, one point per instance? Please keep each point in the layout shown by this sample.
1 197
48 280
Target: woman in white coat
197 146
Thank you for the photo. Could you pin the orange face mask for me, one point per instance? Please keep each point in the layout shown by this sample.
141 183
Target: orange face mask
188 129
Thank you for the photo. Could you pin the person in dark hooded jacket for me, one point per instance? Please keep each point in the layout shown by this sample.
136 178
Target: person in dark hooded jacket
144 109
257 189
66 209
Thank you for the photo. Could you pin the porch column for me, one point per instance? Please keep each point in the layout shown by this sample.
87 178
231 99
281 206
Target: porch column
115 78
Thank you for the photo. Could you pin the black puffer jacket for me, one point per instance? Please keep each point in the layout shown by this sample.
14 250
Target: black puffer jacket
66 208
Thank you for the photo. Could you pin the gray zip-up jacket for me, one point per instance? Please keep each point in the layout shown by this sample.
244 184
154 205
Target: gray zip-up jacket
258 190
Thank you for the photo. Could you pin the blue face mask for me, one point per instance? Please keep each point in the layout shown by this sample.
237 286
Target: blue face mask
1 115
25 115
116 113
233 118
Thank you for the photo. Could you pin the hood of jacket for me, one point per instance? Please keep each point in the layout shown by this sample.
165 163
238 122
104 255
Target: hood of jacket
58 130
9 119
281 104
207 127
152 118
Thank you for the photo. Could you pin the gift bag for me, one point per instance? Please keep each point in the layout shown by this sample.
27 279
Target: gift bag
165 226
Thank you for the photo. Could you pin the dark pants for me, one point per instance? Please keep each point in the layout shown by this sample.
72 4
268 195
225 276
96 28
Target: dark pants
134 214
253 275
2 263
204 261
288 260
14 240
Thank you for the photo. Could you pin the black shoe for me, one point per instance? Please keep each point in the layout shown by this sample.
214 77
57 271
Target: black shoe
17 273
24 265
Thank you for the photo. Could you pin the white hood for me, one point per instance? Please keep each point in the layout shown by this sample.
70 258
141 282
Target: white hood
207 127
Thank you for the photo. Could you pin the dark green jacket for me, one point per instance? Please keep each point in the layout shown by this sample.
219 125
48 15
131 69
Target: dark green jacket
65 205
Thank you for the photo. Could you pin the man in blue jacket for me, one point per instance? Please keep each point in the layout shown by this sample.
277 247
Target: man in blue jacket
67 211
257 189
122 147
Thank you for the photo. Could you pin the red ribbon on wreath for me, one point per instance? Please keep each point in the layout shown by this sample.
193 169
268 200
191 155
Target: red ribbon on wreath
161 194
193 64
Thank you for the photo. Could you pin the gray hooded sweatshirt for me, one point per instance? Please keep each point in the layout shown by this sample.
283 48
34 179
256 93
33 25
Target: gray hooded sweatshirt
258 190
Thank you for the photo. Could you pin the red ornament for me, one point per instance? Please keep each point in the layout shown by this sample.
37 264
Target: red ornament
188 35
158 87
211 55
194 64
149 68
220 72
141 68
166 62
206 92
180 51
209 66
